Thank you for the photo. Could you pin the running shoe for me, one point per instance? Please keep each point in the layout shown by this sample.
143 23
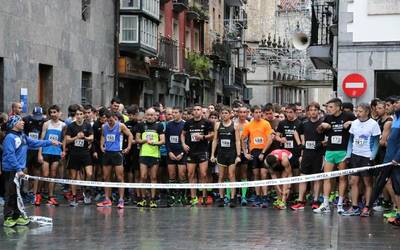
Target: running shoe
265 202
210 200
121 204
340 209
390 214
204 201
394 221
172 201
73 203
276 202
281 205
243 202
22 221
38 199
153 204
352 212
194 201
9 222
257 202
387 205
232 203
322 209
142 203
221 202
365 212
52 201
105 203
87 199
298 206
315 205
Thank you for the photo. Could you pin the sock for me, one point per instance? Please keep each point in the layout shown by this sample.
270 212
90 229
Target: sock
326 201
244 190
340 201
228 191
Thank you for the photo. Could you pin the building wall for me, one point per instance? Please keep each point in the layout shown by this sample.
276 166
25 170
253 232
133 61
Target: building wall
37 32
363 50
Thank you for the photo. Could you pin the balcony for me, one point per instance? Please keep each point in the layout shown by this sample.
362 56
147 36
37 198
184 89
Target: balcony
221 54
236 3
133 68
167 54
180 5
323 30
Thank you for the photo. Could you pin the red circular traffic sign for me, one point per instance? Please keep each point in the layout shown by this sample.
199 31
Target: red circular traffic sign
354 85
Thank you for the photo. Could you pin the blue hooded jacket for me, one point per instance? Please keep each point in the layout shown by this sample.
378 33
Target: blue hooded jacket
393 142
15 147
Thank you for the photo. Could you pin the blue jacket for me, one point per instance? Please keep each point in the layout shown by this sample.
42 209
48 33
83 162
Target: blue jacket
15 147
393 142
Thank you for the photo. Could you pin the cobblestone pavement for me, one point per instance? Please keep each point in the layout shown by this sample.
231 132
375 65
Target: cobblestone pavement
88 227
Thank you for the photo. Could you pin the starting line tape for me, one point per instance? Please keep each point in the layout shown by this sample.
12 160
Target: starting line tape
260 183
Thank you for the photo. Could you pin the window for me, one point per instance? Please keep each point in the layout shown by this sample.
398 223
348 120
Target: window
196 41
129 29
387 82
130 4
152 7
86 88
85 10
45 85
148 33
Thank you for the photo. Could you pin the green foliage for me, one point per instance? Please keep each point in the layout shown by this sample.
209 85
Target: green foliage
199 65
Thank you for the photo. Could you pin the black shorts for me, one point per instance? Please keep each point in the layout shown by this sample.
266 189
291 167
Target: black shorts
243 159
99 160
226 159
32 159
182 161
50 159
255 161
78 162
311 163
163 161
113 159
149 161
197 158
357 161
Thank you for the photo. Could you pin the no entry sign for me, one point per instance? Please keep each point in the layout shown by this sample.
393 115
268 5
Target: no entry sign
354 85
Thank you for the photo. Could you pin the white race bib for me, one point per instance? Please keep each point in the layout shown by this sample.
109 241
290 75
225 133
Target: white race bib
174 139
310 145
258 140
110 138
79 143
225 143
33 135
337 139
289 144
193 137
360 141
53 137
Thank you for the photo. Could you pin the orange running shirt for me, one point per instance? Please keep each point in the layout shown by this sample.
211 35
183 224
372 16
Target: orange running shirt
258 132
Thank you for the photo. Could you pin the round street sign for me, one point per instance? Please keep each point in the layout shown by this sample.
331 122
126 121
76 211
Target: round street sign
354 85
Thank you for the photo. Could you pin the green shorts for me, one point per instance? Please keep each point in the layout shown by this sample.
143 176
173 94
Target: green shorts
335 157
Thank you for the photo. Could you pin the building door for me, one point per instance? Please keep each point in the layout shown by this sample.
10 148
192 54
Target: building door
387 83
45 85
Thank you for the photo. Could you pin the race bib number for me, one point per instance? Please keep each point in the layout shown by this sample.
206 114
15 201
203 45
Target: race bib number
33 135
53 137
258 140
110 138
193 137
359 141
337 139
310 144
289 144
149 137
174 139
225 143
79 143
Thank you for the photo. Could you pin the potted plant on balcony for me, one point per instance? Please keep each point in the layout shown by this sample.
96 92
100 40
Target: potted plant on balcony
198 65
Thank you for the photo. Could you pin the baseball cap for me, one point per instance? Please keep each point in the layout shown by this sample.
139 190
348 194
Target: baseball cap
37 113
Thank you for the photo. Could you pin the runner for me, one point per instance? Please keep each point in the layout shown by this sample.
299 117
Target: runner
278 163
50 156
227 139
312 154
336 127
241 123
195 136
176 155
259 135
150 134
15 147
111 145
363 147
78 137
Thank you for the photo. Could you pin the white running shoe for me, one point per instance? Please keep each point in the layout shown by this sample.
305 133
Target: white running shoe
340 209
322 209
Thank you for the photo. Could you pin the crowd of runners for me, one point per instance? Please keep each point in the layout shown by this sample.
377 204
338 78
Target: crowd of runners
206 145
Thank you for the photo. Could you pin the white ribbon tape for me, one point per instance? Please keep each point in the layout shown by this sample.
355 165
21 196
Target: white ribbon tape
261 183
